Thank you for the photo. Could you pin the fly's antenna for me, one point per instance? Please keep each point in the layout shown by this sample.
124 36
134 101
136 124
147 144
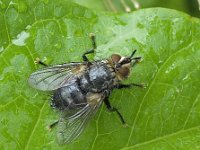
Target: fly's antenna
133 53
135 58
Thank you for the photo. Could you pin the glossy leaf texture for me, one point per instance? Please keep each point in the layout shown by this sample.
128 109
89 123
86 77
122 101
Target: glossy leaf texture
189 6
165 115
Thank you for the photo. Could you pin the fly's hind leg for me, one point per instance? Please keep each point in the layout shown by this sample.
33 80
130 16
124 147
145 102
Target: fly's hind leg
113 109
92 36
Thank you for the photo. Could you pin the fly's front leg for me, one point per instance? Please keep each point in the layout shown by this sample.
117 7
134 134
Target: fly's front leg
137 60
38 61
123 86
113 109
92 36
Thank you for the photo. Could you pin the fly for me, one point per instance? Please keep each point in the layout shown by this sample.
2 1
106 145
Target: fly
79 89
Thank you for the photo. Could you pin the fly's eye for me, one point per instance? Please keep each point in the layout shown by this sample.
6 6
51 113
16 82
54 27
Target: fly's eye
115 58
124 71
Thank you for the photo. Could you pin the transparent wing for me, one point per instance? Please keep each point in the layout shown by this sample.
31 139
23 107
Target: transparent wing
52 78
71 127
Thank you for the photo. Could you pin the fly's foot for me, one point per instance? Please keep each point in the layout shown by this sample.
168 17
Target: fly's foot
91 35
38 61
142 85
125 125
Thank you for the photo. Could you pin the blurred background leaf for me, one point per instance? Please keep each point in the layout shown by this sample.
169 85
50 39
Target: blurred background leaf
189 6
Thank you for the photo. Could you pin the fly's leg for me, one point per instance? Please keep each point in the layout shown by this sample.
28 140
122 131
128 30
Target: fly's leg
123 86
92 36
38 61
87 52
53 125
137 60
113 109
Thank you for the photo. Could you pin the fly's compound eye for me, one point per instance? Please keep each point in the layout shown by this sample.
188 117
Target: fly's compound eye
115 58
124 71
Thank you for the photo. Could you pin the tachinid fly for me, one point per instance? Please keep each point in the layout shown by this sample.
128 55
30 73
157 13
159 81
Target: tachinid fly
79 88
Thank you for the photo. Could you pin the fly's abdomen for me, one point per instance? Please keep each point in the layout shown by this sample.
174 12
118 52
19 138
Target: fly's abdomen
69 97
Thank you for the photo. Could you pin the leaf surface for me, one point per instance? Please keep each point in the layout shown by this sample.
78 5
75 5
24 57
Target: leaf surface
165 115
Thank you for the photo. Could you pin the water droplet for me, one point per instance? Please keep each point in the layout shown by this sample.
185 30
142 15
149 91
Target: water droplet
186 77
1 78
58 45
12 3
2 5
170 68
44 59
1 49
175 20
181 41
21 37
177 90
28 27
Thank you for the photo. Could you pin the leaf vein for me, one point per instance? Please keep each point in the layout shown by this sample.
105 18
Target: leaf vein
162 137
35 126
188 116
151 84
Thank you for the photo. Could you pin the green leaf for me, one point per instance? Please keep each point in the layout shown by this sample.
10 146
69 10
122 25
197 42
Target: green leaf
165 115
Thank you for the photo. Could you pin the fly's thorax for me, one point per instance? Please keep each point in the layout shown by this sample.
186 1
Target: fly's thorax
98 77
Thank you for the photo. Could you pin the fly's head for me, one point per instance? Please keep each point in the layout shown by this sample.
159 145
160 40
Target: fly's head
122 65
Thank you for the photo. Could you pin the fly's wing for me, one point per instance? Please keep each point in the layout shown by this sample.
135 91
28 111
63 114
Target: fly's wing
70 127
52 78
